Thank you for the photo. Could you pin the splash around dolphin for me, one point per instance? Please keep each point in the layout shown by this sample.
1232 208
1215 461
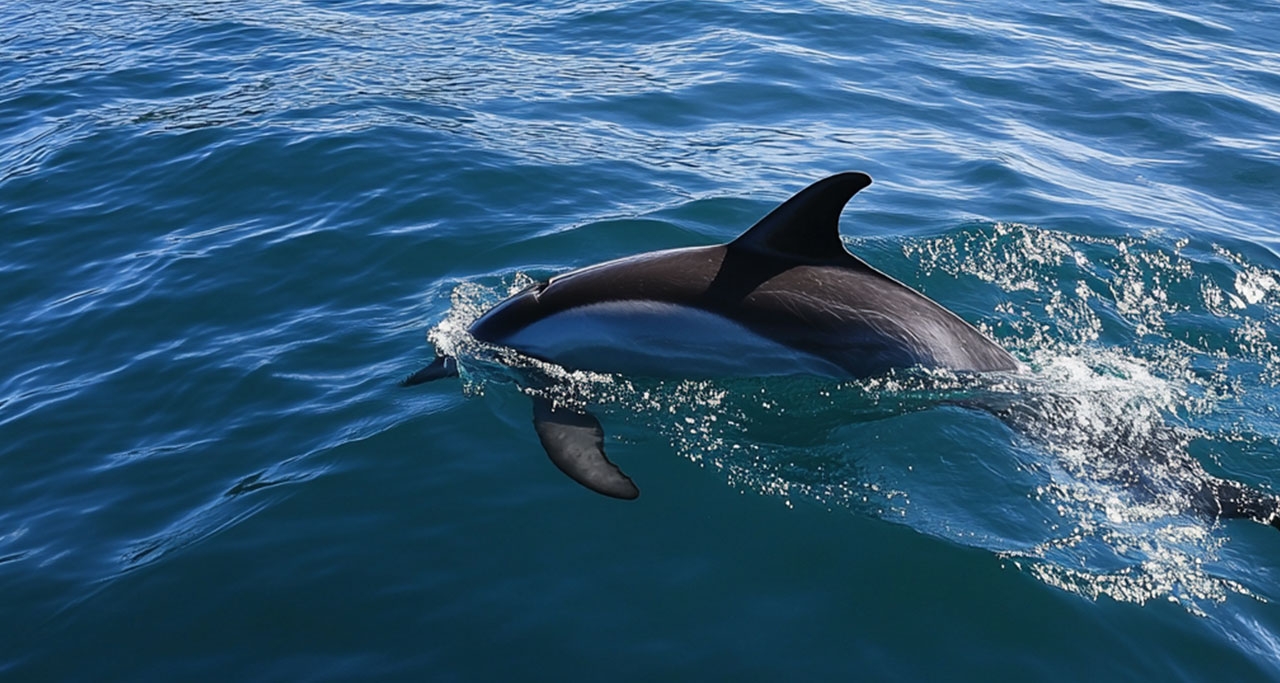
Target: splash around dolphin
784 298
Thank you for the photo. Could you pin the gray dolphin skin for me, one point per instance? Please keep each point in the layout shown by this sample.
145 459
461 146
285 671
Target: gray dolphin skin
785 297
788 280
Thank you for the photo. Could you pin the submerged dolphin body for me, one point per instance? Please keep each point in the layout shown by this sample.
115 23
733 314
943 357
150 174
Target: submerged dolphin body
785 297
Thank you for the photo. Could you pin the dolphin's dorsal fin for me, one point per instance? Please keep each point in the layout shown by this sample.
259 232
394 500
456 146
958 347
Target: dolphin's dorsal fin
807 226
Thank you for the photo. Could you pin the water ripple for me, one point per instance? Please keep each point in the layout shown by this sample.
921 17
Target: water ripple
227 224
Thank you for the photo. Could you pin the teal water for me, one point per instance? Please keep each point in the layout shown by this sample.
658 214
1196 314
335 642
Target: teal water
228 227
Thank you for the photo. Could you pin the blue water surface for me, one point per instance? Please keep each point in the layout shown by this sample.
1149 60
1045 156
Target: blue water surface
228 228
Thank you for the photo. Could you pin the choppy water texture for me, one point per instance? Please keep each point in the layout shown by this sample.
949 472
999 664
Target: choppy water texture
228 226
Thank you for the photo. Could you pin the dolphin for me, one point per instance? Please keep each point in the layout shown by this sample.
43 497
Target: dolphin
784 298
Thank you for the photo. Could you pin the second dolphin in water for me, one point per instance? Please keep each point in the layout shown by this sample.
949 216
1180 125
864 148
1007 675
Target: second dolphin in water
785 297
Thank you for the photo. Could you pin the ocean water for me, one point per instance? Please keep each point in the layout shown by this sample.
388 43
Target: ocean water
229 228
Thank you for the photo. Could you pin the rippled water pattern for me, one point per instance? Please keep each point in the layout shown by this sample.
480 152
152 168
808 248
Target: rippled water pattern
228 227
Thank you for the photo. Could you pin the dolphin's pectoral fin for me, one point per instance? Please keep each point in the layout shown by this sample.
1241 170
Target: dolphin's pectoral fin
441 367
575 443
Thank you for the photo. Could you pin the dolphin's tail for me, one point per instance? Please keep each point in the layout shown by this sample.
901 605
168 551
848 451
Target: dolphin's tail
441 367
1231 499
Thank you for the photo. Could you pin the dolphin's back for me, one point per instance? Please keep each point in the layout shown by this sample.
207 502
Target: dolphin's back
786 296
866 322
776 316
